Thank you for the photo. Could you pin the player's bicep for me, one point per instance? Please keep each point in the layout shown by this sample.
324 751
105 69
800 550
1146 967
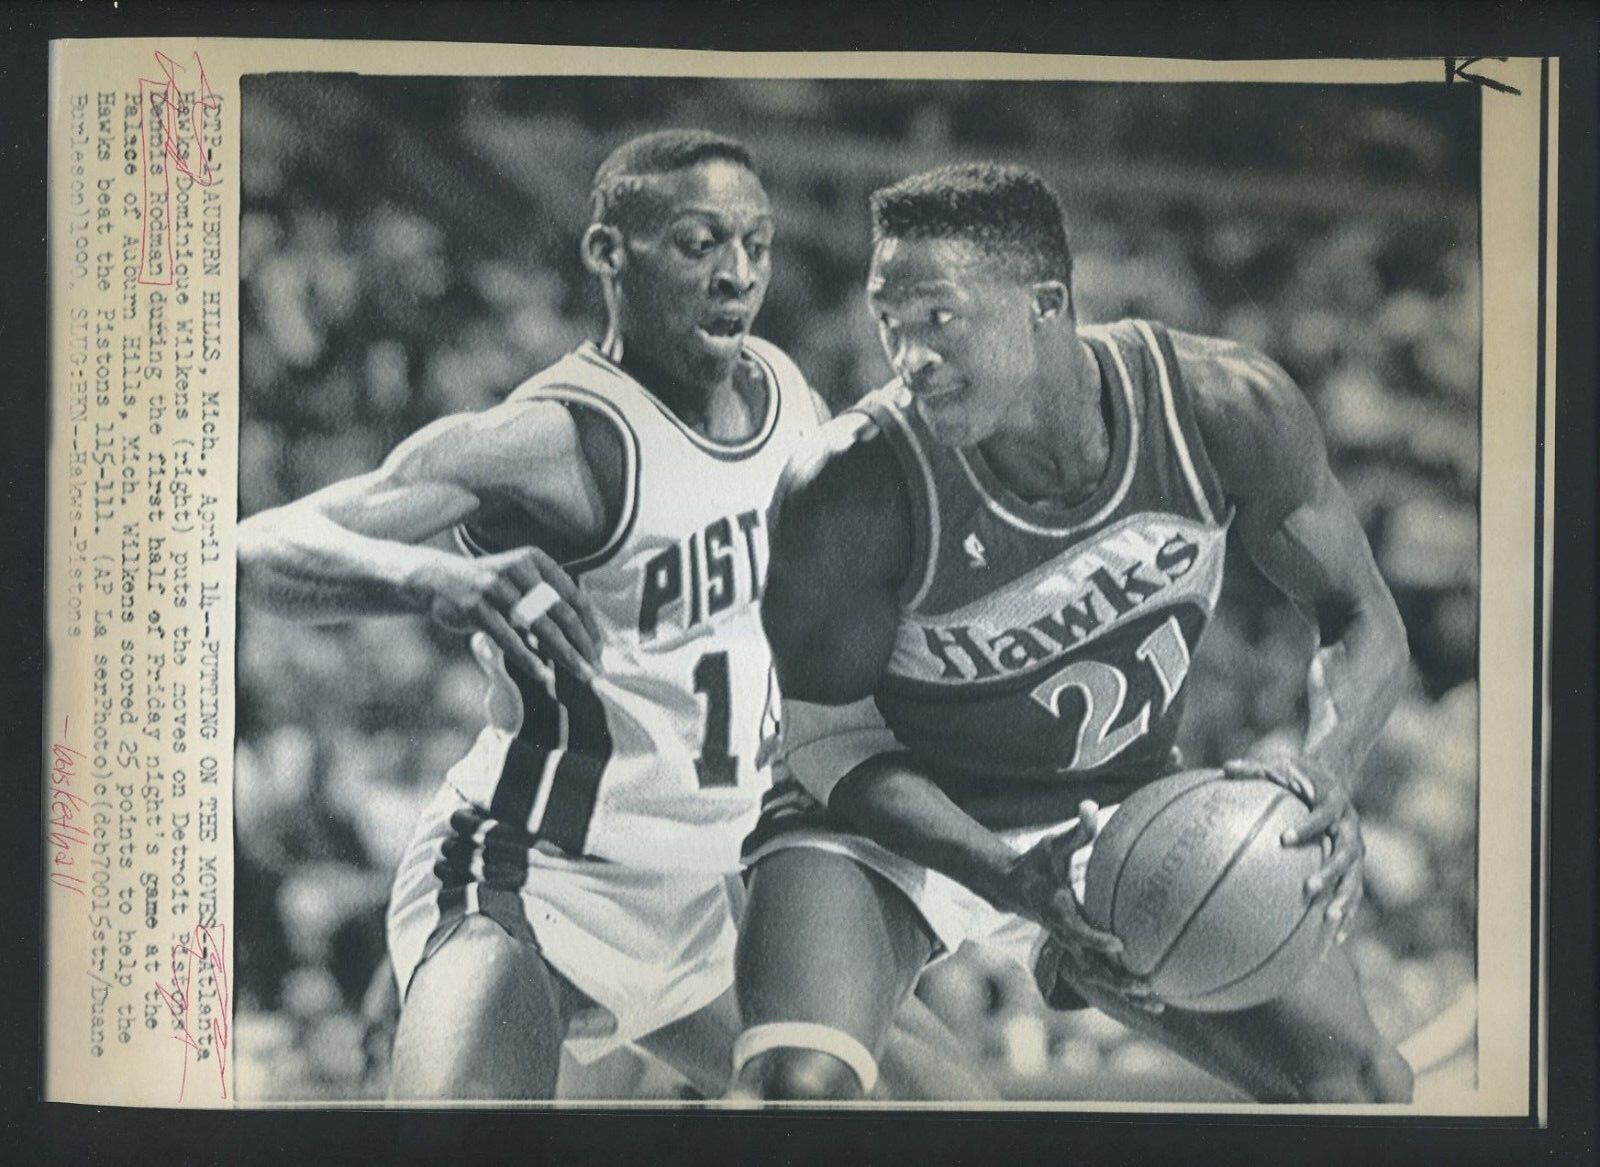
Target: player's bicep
442 473
830 607
1318 555
1293 516
830 630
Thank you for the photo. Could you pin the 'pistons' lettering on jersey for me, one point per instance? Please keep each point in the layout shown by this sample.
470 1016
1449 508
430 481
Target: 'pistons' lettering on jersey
1142 563
695 580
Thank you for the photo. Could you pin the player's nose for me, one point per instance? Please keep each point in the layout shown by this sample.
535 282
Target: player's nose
734 274
915 361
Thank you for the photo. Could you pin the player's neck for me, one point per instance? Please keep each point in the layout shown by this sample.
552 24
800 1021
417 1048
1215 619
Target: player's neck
1058 446
700 404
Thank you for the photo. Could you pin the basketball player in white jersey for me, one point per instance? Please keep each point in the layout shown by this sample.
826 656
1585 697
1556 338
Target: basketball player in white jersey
573 882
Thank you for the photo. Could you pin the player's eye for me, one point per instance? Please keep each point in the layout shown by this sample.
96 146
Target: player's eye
696 243
939 317
757 249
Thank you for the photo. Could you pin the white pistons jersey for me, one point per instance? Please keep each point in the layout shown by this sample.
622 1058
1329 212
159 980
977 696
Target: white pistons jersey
661 762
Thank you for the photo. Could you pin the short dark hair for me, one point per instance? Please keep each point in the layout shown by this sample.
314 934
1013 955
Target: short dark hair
1009 212
619 196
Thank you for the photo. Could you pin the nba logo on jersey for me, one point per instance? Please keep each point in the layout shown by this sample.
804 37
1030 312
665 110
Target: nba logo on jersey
976 554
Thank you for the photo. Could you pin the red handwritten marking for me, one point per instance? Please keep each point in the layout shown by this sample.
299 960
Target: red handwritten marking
175 149
65 835
207 949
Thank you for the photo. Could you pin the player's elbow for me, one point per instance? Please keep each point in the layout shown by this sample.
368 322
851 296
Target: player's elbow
1392 636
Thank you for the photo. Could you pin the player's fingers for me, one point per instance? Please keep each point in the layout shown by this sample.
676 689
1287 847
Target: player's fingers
1077 932
542 607
1346 899
1283 772
1141 997
554 641
567 588
1116 983
510 641
1315 825
1346 919
1244 768
483 650
576 631
501 593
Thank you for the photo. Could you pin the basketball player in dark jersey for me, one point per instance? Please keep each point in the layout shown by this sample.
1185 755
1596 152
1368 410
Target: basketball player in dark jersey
987 583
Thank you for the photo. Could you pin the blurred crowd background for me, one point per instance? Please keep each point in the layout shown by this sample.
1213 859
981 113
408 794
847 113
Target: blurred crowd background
408 248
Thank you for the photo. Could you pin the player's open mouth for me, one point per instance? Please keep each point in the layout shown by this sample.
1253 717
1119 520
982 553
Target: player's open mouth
937 392
726 327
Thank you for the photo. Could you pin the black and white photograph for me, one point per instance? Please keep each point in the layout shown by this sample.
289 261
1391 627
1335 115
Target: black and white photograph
822 591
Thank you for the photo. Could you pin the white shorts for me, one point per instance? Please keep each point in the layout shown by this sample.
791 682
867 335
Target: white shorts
954 913
647 947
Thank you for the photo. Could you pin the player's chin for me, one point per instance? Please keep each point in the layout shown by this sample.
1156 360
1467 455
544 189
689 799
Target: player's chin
719 345
947 420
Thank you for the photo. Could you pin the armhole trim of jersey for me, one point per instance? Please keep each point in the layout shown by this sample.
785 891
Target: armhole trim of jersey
722 451
1112 501
1169 406
924 506
629 511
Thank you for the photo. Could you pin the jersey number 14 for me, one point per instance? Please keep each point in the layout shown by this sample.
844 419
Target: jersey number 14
714 765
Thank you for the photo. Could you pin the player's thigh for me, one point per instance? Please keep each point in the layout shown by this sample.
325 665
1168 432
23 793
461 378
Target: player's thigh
700 1046
1322 1032
483 1018
827 942
1316 1043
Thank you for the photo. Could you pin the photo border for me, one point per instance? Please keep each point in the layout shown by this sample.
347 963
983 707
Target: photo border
1569 550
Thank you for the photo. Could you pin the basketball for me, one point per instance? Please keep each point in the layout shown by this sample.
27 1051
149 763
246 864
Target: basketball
1191 876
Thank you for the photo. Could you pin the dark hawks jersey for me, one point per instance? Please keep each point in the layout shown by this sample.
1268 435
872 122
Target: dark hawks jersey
1048 648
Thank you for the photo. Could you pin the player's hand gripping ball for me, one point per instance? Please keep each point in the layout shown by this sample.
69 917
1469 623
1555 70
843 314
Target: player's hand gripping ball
1194 876
1077 957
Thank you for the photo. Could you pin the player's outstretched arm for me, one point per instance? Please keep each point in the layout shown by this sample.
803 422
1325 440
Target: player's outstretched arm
353 548
1298 525
841 531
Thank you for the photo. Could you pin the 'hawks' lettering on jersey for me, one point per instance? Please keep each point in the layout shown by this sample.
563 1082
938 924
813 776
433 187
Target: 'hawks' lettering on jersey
658 764
1049 644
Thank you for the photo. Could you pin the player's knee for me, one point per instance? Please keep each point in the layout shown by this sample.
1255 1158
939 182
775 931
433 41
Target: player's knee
800 1075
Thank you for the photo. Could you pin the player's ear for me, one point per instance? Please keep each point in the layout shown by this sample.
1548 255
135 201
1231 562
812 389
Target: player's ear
1051 301
602 249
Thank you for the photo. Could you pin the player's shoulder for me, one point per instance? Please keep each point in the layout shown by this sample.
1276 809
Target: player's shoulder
1231 382
850 455
842 488
1252 416
838 465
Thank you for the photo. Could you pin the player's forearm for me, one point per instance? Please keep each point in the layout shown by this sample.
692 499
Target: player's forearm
1351 689
297 562
889 801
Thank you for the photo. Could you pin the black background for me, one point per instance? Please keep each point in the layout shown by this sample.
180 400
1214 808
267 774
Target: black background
36 1132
